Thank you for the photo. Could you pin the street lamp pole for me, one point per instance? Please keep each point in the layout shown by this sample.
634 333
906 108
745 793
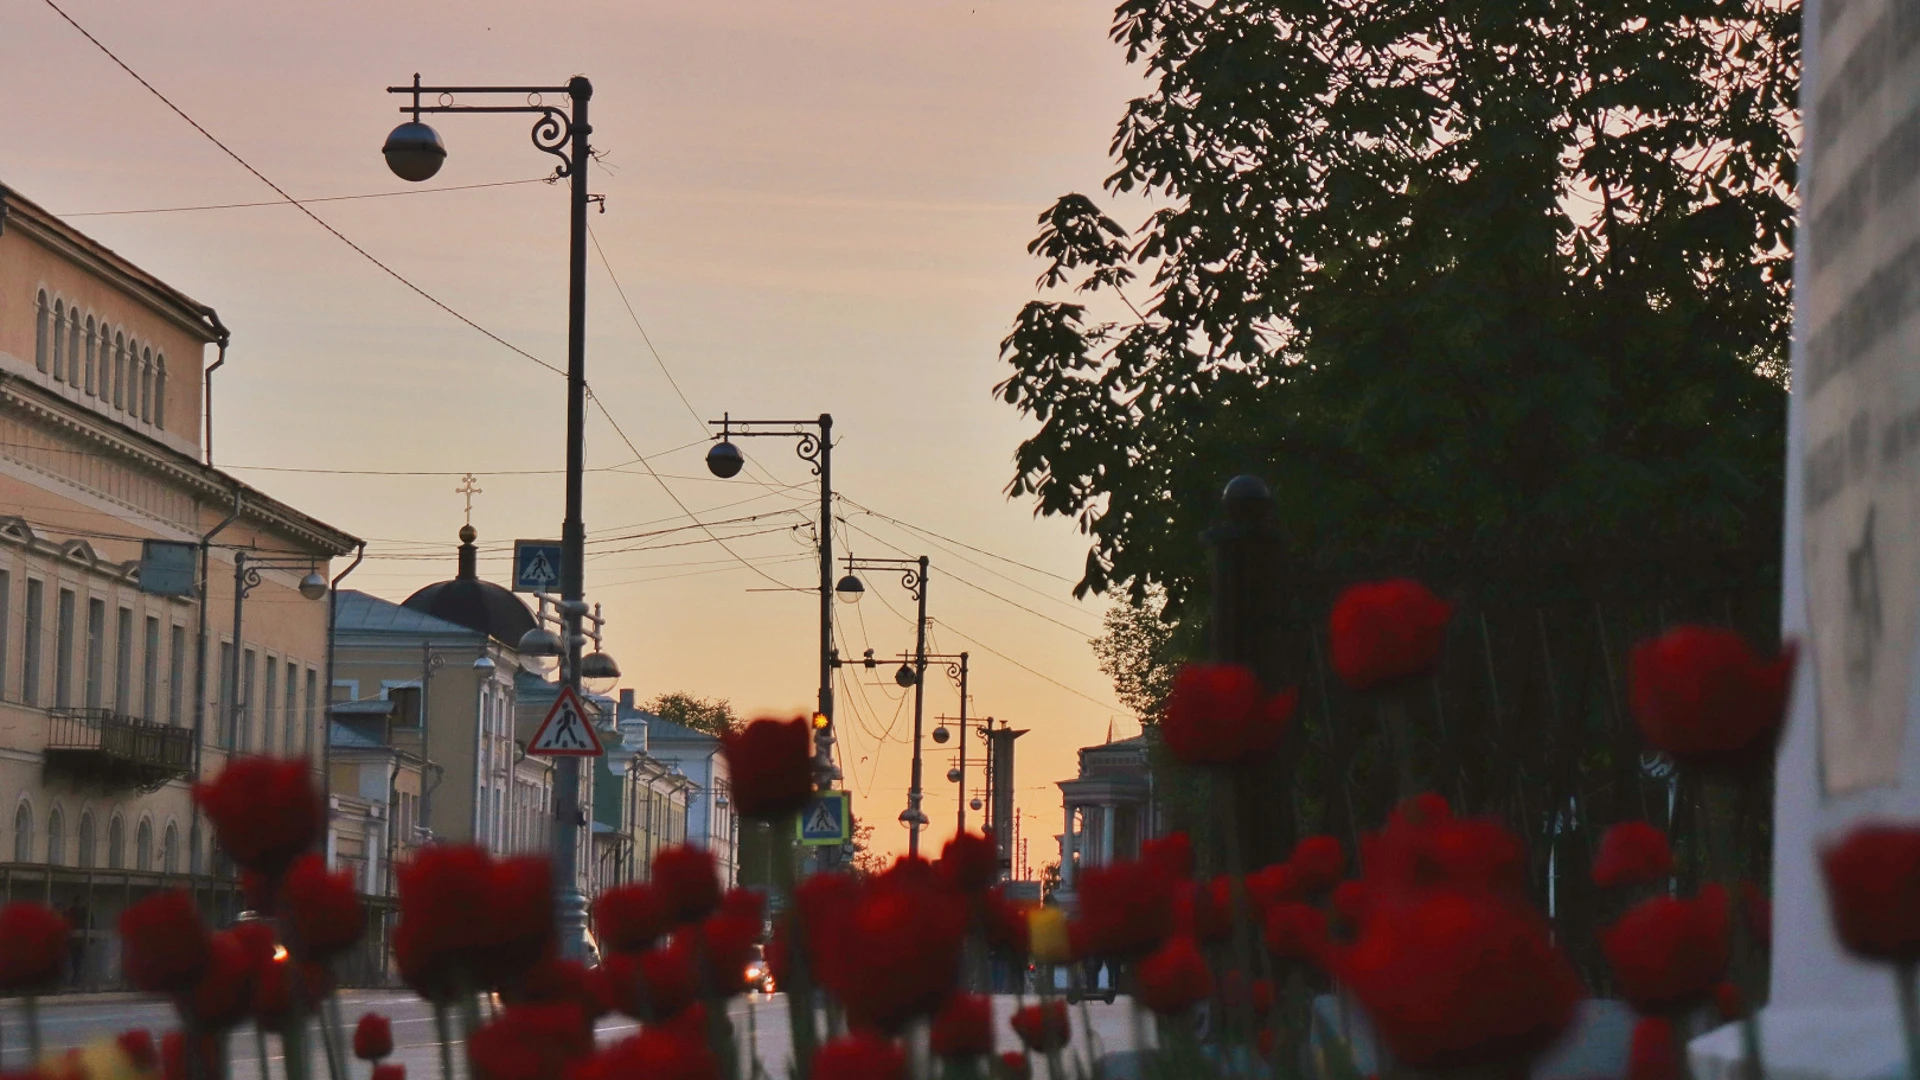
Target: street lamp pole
246 578
913 575
415 153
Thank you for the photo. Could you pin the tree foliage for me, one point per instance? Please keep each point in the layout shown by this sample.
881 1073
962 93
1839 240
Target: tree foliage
1488 290
1140 652
714 716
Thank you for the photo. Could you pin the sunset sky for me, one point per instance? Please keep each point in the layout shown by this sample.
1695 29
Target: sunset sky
811 207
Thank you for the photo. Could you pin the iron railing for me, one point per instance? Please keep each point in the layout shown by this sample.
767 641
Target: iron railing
120 750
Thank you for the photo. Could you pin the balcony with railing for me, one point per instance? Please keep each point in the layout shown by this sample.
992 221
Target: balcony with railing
116 751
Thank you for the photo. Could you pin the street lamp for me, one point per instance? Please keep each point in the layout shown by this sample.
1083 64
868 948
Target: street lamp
414 152
815 447
246 578
913 576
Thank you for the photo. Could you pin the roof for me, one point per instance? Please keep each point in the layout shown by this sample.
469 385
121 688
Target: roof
379 708
357 735
365 613
476 604
660 728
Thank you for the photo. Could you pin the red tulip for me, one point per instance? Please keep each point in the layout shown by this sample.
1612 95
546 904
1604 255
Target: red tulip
1460 978
657 1053
1667 955
902 958
629 918
373 1038
1043 1028
687 881
1387 631
1653 1055
33 948
1205 910
1297 931
520 925
1350 901
860 1056
265 812
1270 885
771 763
1171 854
1318 863
1174 979
1873 890
963 1028
323 910
1126 909
273 986
1632 853
1014 1066
1703 695
389 1070
164 943
138 1045
222 997
530 1042
1217 715
969 863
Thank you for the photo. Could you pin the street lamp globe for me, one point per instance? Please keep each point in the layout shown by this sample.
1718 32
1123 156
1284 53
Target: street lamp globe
414 151
313 586
904 677
484 663
725 460
976 804
598 671
953 775
913 816
850 589
941 734
539 641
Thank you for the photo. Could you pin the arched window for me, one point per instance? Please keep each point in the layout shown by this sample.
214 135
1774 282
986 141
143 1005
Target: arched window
23 834
86 853
146 383
116 844
40 343
143 847
90 353
73 346
56 837
59 339
119 371
170 850
160 392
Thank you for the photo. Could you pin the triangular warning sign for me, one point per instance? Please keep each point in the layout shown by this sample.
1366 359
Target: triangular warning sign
823 821
566 732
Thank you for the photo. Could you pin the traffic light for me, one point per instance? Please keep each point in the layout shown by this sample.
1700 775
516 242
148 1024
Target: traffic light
820 721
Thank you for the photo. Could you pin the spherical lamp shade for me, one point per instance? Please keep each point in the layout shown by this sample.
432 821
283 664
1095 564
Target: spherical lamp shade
850 589
941 734
904 677
313 586
598 671
976 804
539 641
725 460
414 151
912 816
953 775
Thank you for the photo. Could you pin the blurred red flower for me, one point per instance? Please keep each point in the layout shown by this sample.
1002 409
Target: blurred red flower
389 1070
1171 854
906 934
1422 851
1350 901
1318 863
323 910
668 980
138 1045
1386 631
860 1056
629 918
1043 1028
556 979
1667 954
1126 908
1004 922
657 1053
1174 979
33 948
1014 1066
530 1042
771 763
520 927
208 1050
969 863
1297 931
265 812
687 881
373 1037
1632 853
747 904
1218 715
1703 695
1653 1055
963 1027
164 944
1205 909
273 1002
1873 890
1460 977
445 920
1271 884
222 997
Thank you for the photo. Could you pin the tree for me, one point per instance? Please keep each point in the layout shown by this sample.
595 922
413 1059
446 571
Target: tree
1139 653
714 716
866 861
1495 290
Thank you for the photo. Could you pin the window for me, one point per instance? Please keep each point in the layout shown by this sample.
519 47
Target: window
59 339
40 331
223 698
96 651
105 361
170 850
244 710
90 350
150 672
73 346
267 703
6 620
116 844
63 650
56 838
119 370
123 663
290 716
313 709
34 628
177 676
86 853
143 847
23 834
160 393
146 383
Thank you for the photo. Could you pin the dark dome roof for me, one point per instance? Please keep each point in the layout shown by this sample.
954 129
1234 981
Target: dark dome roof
475 604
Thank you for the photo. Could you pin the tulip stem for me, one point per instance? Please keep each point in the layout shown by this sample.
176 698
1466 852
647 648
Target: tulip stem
32 1007
800 982
1903 978
335 1032
260 1047
1392 710
441 1026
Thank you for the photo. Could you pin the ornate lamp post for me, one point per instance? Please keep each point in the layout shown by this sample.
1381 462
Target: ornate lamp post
246 578
414 152
913 575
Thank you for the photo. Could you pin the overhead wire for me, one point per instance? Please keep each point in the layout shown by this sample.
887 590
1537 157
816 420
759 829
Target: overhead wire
549 179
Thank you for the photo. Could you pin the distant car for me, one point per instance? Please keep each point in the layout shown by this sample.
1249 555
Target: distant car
758 974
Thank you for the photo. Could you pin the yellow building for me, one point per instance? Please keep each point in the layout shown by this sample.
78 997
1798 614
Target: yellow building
102 372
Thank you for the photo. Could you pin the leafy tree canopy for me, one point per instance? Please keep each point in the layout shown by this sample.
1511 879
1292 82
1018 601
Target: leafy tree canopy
714 716
1488 289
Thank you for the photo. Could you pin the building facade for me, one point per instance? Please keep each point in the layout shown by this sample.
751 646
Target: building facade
710 821
1109 810
111 702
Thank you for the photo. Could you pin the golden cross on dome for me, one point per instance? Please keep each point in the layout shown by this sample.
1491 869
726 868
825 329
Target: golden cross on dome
468 489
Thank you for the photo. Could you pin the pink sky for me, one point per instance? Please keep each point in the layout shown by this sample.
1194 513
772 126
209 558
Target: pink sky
812 207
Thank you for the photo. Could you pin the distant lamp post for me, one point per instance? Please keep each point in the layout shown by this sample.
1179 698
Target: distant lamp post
913 576
246 578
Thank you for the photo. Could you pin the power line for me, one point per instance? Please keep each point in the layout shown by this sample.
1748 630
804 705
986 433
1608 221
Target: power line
957 543
326 198
278 190
644 336
946 573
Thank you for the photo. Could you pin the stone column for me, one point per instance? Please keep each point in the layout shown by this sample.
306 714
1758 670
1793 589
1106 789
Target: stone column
1066 852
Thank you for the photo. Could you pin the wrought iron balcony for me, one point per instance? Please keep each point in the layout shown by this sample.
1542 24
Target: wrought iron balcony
115 751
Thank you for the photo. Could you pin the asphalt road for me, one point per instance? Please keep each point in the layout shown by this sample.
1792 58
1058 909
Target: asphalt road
71 1022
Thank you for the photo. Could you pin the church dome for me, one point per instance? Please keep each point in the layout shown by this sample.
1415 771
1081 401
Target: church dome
477 605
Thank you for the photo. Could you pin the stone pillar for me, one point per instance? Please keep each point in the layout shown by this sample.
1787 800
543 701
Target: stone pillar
1066 852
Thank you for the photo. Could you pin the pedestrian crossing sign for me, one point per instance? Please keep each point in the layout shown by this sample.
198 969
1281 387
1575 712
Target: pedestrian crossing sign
826 819
566 732
536 566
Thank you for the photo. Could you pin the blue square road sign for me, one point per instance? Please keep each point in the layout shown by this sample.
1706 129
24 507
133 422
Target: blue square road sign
536 566
825 819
